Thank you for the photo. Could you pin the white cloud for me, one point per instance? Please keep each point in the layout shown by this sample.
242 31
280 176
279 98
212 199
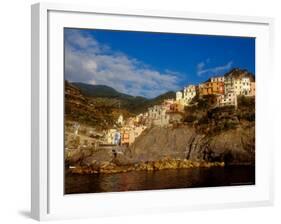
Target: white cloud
86 60
202 70
200 66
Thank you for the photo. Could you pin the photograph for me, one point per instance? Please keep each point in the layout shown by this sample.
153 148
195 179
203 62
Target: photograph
157 111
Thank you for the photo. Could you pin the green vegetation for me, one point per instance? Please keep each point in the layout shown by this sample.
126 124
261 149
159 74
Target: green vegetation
133 104
246 108
208 119
100 113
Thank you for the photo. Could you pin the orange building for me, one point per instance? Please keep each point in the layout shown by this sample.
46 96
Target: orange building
205 89
176 107
209 88
125 137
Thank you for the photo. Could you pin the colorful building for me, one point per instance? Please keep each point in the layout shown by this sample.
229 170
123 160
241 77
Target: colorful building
113 136
205 89
129 135
176 107
125 137
218 87
210 88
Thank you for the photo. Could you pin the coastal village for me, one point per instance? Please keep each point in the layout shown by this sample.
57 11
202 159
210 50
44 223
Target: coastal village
224 90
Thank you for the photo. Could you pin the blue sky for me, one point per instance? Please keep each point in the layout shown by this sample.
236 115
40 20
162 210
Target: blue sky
149 64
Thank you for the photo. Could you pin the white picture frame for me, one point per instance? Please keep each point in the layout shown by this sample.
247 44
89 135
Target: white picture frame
48 201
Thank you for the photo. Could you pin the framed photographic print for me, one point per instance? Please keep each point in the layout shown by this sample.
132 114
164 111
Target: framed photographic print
148 111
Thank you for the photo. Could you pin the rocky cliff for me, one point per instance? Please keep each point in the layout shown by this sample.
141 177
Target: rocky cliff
164 148
234 146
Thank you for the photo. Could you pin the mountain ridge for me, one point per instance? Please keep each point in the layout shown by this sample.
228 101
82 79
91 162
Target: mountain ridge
93 90
134 104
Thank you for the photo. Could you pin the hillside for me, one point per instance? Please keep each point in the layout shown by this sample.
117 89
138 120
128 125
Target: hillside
98 113
133 104
100 91
100 106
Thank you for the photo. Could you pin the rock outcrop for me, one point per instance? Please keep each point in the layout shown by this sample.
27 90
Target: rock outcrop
235 146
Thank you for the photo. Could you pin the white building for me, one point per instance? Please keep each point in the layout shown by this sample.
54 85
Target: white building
120 120
227 99
157 116
229 84
178 95
242 86
217 79
245 86
188 94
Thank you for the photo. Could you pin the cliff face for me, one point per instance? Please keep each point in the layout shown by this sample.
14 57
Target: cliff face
235 146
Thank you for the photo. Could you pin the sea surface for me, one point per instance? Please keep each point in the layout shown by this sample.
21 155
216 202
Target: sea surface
162 179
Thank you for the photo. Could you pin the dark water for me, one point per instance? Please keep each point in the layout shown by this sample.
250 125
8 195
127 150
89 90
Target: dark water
163 179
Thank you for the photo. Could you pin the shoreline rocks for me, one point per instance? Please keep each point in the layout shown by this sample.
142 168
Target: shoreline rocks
109 167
